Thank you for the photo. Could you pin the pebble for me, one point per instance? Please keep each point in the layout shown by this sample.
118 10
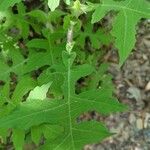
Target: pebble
139 124
138 148
147 121
132 119
134 92
147 88
125 135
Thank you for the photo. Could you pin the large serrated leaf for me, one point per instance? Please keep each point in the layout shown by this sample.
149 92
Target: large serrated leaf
66 111
129 13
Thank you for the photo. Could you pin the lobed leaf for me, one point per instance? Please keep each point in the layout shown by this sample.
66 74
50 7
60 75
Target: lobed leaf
129 14
65 111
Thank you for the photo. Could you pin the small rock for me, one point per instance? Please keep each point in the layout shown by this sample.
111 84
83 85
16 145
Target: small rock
134 93
145 57
147 88
125 135
146 134
138 148
132 119
139 124
147 121
88 147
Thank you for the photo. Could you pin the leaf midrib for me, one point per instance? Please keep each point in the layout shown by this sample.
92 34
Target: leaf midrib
92 101
36 113
125 29
69 108
69 101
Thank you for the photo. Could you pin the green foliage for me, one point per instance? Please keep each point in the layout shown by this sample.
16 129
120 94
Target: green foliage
53 4
130 12
65 112
52 70
18 138
5 4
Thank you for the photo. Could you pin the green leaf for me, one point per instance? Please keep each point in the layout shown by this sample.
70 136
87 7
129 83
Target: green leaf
36 134
57 81
37 60
98 38
67 2
83 133
39 92
4 94
34 112
17 67
3 135
21 22
49 131
41 15
65 111
22 88
129 14
18 139
5 4
53 4
38 43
